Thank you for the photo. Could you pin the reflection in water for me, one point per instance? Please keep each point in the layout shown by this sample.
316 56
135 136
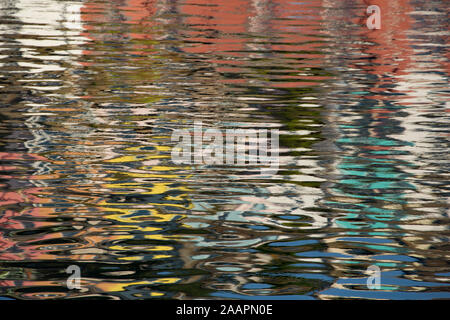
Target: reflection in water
91 92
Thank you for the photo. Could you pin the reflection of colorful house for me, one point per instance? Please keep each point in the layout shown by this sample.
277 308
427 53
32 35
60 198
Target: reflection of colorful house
132 17
225 29
111 213
119 31
382 58
380 133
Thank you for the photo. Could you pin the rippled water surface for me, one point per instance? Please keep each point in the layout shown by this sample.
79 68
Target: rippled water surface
91 92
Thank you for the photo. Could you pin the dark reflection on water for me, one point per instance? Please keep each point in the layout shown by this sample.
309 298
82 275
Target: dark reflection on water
91 92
